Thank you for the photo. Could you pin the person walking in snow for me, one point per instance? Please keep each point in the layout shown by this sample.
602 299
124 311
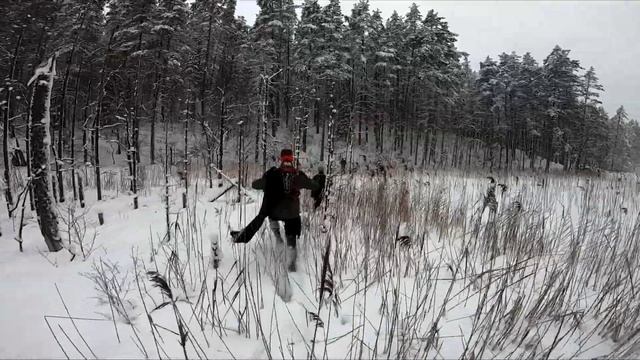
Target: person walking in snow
281 203
320 178
343 165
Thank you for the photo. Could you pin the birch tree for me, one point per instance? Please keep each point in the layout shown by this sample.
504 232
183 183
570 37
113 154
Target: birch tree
40 118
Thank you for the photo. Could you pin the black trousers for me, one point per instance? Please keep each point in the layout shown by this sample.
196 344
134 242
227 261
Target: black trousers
292 229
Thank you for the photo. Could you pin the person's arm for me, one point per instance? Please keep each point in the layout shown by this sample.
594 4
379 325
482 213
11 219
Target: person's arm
259 184
322 180
315 193
307 183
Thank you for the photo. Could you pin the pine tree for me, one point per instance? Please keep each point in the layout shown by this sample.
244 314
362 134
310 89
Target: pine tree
441 73
307 49
231 41
379 63
467 102
169 29
131 24
273 33
559 91
26 34
333 53
634 139
509 67
76 37
530 78
489 92
620 148
410 54
589 87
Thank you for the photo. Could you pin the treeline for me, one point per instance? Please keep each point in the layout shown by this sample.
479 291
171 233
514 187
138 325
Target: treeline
399 85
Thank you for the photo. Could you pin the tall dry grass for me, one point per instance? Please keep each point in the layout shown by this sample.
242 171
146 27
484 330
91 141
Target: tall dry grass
413 265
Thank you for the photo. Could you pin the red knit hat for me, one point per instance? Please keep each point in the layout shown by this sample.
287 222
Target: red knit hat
286 155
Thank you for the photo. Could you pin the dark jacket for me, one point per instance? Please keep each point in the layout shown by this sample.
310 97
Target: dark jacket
282 192
316 194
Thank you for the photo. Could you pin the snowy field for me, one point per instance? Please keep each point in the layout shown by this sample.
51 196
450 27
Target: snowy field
417 265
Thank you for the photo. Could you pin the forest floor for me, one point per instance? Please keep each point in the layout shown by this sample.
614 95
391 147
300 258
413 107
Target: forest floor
419 265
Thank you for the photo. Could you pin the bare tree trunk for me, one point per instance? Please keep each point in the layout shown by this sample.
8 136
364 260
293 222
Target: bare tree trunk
185 173
221 140
263 119
442 152
7 164
382 134
203 100
316 115
28 146
166 175
40 155
96 151
136 108
97 125
258 127
72 141
532 158
322 140
507 165
524 153
409 134
330 150
287 77
85 145
417 146
469 151
454 152
131 162
240 165
366 133
297 143
62 114
359 129
152 140
5 133
547 133
305 125
425 148
136 129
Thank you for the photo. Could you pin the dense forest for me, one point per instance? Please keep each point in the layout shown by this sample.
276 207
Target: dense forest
398 84
417 205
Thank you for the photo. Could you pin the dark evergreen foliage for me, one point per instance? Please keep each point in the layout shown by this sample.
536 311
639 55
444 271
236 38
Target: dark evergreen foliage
400 84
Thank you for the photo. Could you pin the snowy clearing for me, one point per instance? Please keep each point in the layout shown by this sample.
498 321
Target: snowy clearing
417 269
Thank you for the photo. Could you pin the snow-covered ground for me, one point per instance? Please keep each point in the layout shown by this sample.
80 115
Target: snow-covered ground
415 268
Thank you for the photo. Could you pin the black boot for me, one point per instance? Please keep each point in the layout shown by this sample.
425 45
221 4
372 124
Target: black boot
292 253
292 257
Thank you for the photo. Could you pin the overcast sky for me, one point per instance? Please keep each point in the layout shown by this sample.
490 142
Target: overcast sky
602 34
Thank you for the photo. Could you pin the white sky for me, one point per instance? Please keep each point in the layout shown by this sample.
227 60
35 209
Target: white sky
602 34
